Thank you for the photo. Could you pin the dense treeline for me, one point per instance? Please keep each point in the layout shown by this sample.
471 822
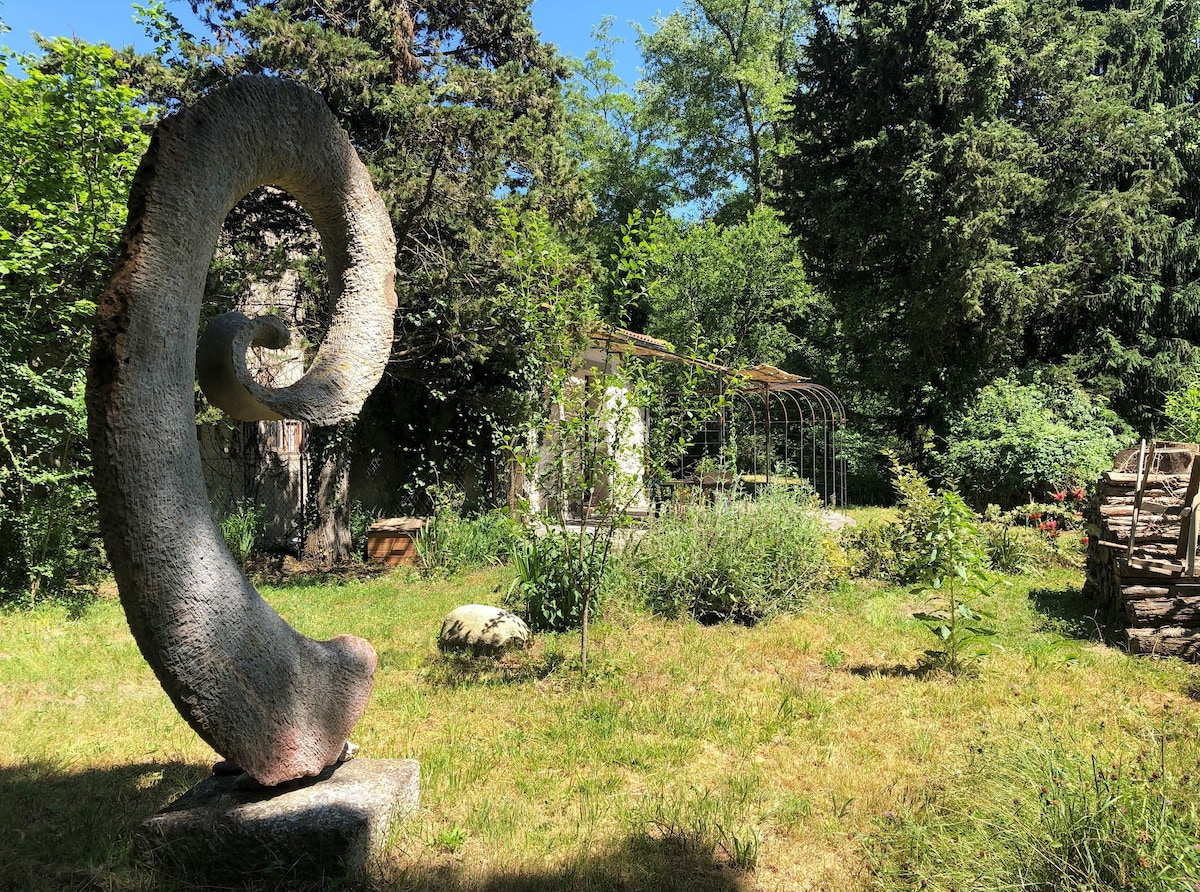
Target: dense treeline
966 217
989 186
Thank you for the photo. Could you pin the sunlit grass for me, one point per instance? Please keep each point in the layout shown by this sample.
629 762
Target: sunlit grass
781 756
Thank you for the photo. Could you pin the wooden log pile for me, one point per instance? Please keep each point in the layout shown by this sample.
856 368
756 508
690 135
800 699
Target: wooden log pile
1147 589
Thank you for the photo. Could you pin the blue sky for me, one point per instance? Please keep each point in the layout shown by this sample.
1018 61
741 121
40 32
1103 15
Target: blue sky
567 23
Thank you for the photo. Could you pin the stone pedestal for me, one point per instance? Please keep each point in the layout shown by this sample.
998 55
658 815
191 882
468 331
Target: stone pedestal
331 826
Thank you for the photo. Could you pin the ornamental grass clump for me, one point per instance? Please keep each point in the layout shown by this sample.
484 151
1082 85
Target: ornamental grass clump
1047 817
741 560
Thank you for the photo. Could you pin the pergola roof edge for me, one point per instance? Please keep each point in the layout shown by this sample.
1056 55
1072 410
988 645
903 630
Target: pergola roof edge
644 345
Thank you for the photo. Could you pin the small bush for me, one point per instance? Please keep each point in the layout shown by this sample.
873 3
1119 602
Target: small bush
1182 411
360 523
742 560
547 591
242 528
1020 439
896 551
875 550
450 544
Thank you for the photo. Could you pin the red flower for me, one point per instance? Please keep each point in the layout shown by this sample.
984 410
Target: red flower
1059 496
1078 493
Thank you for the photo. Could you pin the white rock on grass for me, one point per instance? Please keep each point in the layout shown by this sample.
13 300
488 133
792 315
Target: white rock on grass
482 630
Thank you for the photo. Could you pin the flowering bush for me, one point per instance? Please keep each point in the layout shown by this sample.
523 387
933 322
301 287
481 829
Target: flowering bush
1062 514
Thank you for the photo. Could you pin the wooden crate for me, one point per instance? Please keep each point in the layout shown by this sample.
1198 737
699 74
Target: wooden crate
392 541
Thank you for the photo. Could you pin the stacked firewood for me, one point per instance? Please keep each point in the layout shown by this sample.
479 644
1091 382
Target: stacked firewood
1147 588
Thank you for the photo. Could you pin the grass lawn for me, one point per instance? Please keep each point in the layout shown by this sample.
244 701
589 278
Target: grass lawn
805 753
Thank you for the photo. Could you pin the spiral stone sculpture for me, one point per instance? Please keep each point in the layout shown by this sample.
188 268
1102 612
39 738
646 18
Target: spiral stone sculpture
275 703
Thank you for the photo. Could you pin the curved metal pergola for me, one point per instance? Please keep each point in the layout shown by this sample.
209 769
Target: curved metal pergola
793 436
791 424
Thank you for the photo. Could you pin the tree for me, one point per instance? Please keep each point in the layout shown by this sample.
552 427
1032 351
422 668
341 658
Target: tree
912 193
1127 208
456 109
739 290
623 164
719 74
70 140
979 187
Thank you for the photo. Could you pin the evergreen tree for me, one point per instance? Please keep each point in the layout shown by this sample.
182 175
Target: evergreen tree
981 186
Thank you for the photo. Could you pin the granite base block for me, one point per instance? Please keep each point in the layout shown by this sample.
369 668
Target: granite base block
330 826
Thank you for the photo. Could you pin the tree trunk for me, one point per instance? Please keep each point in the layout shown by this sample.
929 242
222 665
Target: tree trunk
327 508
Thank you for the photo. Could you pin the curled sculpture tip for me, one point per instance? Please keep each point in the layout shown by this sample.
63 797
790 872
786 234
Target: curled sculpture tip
267 698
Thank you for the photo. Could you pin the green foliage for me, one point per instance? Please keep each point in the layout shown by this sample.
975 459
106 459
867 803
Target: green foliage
548 591
982 186
917 506
621 159
70 140
738 290
1019 441
450 544
632 275
242 528
1010 549
744 561
360 522
875 550
952 566
718 74
456 110
1182 411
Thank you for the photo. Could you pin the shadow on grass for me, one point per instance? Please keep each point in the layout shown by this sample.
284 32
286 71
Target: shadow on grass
457 670
64 830
61 829
1069 613
639 862
870 670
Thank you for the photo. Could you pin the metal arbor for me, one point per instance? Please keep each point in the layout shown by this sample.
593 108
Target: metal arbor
777 428
785 429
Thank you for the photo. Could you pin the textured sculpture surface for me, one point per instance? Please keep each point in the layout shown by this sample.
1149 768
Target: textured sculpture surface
276 703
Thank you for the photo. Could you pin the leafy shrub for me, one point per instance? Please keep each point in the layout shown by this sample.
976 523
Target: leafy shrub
242 528
895 551
360 522
1182 411
547 591
741 560
71 138
451 544
875 550
1018 440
